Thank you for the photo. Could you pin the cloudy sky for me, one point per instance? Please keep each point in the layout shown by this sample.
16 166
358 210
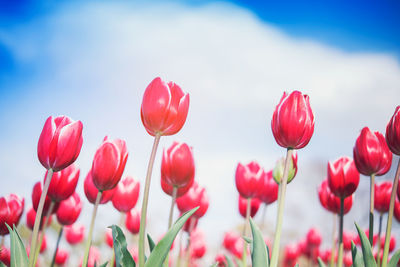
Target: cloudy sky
93 60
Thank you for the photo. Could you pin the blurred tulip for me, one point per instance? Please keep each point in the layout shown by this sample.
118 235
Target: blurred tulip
393 132
291 252
63 183
313 238
331 202
109 238
44 244
343 177
196 196
230 239
60 142
249 179
132 221
221 260
109 164
347 238
126 194
269 192
347 259
74 234
371 153
36 194
164 108
30 219
94 257
254 205
91 191
189 222
61 257
383 191
293 121
168 189
198 246
277 172
392 242
5 255
69 210
11 209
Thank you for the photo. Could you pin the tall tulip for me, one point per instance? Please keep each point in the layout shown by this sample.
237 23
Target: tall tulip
11 209
63 183
249 179
164 110
126 194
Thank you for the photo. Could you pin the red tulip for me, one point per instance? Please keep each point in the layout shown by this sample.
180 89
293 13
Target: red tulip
5 255
36 193
168 189
383 191
397 210
177 166
188 223
291 252
347 238
277 172
126 194
63 183
374 240
91 191
347 259
343 177
109 238
31 216
313 238
60 142
293 121
44 244
254 205
11 208
323 194
61 256
198 246
230 239
331 202
393 132
269 192
220 258
109 164
75 233
392 243
164 108
69 210
249 179
325 255
371 153
94 257
196 196
132 221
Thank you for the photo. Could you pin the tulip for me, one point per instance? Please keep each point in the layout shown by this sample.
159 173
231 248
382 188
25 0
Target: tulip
69 210
347 238
60 232
126 194
269 192
132 221
277 173
109 238
313 238
397 210
221 260
347 259
11 209
249 179
343 177
5 255
93 259
168 189
255 204
393 132
74 234
198 246
382 192
61 257
229 239
91 191
49 207
196 196
30 219
63 183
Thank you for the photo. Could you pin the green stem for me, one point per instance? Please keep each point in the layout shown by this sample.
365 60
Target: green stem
246 223
57 244
281 205
379 239
332 259
146 200
44 225
390 216
39 217
340 256
89 238
371 209
171 216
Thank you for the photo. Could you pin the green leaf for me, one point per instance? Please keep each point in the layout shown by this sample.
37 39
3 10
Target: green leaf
248 240
259 255
320 263
160 251
104 264
297 265
368 257
123 257
357 257
2 264
395 259
151 243
19 258
229 261
214 265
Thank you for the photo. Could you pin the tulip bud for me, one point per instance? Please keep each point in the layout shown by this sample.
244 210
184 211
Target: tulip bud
36 193
109 164
126 194
69 210
343 177
293 121
393 132
132 221
254 205
230 239
249 179
291 252
91 191
168 189
75 233
196 196
313 238
109 238
11 209
269 192
371 153
30 219
221 260
383 191
60 142
164 108
277 172
5 255
61 257
63 183
347 259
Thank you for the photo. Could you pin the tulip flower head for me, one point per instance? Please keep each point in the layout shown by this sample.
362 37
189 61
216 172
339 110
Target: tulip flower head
254 205
393 132
11 208
126 194
277 172
331 202
69 210
132 221
343 177
36 194
60 142
61 257
75 233
109 238
30 219
168 189
293 121
196 196
63 183
269 192
383 191
371 153
313 238
249 179
91 191
164 108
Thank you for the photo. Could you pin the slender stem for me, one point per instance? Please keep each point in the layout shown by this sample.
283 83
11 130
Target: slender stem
39 217
332 260
57 244
246 223
390 216
340 256
371 209
89 238
44 225
112 258
180 250
191 227
171 216
146 200
264 213
281 205
379 239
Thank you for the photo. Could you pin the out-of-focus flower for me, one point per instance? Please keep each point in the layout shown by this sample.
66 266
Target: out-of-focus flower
249 179
343 177
11 209
126 194
63 183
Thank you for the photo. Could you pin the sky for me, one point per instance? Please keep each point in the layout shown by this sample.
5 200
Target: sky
93 60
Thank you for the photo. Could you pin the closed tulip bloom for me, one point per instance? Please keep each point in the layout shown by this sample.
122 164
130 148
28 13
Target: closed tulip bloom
269 192
63 183
109 238
164 108
383 191
44 244
36 193
334 203
343 177
230 239
249 179
126 194
132 221
293 121
109 164
277 172
177 166
5 255
69 210
347 259
371 153
347 238
168 189
323 194
313 238
11 208
91 191
60 142
393 132
196 196
221 260
254 205
61 256
198 246
30 219
291 252
75 233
